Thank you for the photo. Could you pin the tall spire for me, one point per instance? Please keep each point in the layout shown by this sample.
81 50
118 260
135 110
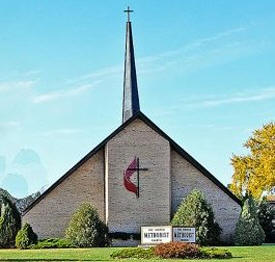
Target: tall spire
130 89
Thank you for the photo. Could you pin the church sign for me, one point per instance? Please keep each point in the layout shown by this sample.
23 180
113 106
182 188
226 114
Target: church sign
156 235
164 234
184 234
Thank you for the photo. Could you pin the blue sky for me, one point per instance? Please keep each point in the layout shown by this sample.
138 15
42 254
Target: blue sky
205 74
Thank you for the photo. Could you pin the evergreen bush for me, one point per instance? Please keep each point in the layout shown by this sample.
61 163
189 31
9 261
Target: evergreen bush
10 223
248 229
266 212
194 211
86 229
25 237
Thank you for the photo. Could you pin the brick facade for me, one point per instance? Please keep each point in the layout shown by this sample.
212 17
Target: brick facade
99 181
126 213
50 216
186 177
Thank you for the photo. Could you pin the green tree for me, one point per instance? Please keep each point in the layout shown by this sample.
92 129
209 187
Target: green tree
86 229
10 223
254 173
266 213
248 229
194 211
25 237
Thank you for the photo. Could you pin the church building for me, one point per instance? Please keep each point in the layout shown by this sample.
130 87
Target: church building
135 177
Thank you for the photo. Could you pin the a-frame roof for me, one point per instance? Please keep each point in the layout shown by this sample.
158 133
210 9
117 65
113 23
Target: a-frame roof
173 144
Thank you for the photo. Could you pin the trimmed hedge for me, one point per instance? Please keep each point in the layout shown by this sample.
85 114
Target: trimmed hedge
124 235
138 253
214 252
53 243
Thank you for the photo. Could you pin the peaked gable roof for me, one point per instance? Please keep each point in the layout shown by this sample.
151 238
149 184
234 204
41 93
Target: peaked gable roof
174 145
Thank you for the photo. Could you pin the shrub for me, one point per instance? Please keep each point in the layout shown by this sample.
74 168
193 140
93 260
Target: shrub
177 250
25 237
124 235
86 229
139 253
10 223
194 211
215 253
265 215
248 230
53 243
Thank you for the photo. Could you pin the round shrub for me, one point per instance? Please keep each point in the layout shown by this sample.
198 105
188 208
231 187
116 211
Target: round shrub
25 237
86 229
10 223
194 211
248 229
177 250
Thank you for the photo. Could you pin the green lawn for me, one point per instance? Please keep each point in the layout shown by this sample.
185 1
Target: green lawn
264 253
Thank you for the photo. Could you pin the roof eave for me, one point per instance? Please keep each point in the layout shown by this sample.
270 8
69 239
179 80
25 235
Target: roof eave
173 144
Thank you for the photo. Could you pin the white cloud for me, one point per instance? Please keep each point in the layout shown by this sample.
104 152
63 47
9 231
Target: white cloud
186 57
63 93
62 131
248 96
14 85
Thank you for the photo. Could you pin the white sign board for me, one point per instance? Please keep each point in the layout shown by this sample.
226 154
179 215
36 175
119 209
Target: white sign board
184 234
156 235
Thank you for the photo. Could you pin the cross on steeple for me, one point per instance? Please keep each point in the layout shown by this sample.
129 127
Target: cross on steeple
128 11
130 104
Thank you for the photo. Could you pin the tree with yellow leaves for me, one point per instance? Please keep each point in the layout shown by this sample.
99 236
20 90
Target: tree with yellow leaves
254 173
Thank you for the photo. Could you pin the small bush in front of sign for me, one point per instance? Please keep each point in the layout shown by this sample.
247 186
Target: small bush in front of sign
177 250
194 211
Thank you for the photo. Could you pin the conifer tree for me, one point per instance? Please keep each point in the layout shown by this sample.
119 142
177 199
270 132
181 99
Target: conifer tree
248 230
10 223
25 237
194 211
86 229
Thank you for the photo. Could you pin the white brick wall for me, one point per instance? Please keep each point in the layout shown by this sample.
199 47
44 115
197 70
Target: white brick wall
186 177
50 217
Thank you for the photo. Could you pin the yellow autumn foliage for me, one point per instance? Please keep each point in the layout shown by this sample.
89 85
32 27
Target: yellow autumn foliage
254 173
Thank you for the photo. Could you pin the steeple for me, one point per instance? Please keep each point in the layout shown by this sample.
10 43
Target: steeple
130 89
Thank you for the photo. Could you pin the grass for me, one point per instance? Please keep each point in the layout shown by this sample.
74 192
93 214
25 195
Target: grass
264 253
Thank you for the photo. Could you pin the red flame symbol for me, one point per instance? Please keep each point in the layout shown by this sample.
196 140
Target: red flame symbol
128 184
